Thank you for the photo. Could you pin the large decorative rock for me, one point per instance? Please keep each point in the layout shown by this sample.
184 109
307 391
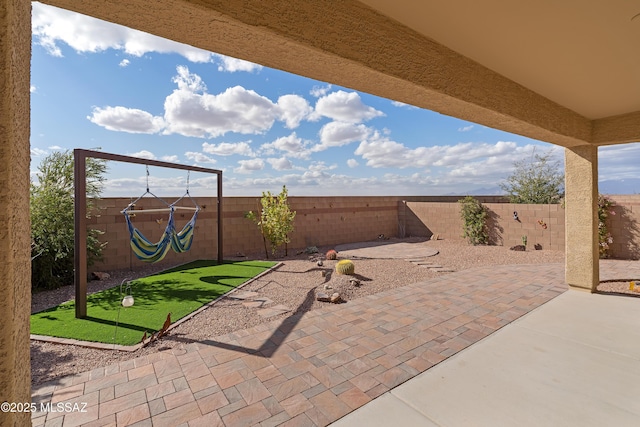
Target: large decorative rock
335 298
98 275
521 248
321 296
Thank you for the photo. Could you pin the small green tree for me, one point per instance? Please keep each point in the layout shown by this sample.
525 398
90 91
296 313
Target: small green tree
52 222
536 180
275 220
474 217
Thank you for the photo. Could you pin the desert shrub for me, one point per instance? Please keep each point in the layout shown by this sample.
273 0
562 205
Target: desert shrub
536 180
604 236
52 219
275 220
474 218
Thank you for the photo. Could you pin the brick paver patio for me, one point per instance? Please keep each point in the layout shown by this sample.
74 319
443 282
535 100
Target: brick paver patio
314 368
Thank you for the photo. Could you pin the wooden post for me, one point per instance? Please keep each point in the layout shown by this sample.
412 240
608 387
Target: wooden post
80 232
220 251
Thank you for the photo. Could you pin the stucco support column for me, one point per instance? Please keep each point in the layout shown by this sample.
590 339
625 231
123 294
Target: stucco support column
15 263
581 217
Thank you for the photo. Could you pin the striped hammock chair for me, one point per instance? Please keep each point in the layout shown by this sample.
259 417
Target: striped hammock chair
179 241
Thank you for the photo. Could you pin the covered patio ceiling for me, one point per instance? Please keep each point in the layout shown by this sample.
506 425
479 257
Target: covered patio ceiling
563 72
583 55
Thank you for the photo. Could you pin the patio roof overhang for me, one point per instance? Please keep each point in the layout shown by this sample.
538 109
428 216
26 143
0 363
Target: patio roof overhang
562 72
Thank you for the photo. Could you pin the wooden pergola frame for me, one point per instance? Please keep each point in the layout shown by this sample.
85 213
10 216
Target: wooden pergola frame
80 212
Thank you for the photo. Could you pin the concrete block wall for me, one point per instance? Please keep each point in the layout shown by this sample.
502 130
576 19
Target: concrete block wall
322 221
624 227
443 218
319 221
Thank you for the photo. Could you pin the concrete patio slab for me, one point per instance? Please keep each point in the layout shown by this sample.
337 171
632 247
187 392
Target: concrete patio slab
388 410
606 322
572 362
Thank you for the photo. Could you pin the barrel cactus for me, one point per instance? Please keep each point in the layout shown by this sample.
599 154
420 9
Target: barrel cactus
331 254
345 266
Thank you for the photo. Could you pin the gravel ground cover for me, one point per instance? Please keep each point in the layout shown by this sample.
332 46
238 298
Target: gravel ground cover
620 287
290 285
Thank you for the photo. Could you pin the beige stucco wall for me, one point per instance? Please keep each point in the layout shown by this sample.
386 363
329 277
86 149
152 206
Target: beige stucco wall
581 201
15 266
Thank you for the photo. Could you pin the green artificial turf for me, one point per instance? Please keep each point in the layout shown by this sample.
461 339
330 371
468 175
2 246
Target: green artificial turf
179 291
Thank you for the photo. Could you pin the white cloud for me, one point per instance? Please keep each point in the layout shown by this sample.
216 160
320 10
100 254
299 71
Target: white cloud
228 149
143 154
188 81
159 186
337 134
32 89
55 147
318 91
382 152
124 63
489 170
291 144
124 119
82 33
345 107
402 105
618 162
321 166
172 158
231 65
280 164
352 163
415 178
464 152
465 128
190 111
293 109
249 166
201 114
199 157
35 152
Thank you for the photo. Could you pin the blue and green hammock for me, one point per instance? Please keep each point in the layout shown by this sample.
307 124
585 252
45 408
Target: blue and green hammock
179 241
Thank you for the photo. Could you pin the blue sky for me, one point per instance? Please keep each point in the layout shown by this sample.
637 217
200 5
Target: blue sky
96 84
